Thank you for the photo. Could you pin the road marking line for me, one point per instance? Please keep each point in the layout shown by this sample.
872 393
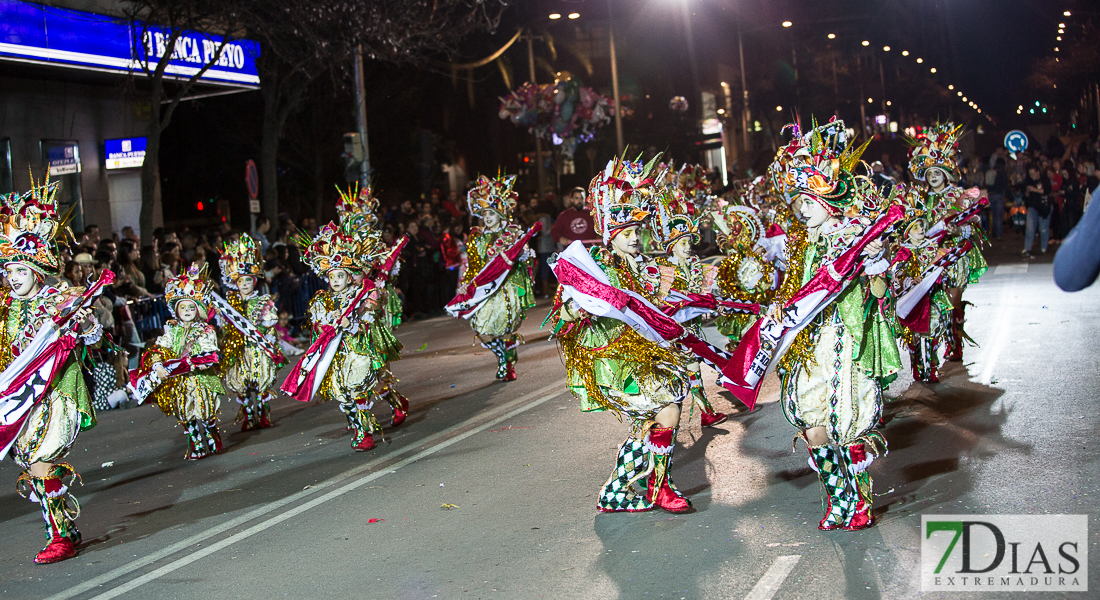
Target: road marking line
771 581
294 498
1017 269
1002 324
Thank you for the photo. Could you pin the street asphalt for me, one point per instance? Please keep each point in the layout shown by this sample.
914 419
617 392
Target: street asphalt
489 489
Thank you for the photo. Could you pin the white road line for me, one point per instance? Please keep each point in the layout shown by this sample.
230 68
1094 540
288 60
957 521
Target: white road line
1002 325
217 530
773 578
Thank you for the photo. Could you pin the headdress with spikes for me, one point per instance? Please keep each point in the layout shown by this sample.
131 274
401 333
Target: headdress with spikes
692 181
620 196
359 206
676 217
29 228
936 148
240 259
192 284
338 247
740 224
821 163
493 194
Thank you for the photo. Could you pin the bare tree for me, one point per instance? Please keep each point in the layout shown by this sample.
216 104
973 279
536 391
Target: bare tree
301 41
195 31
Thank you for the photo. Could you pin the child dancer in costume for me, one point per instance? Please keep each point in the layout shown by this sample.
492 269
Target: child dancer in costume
51 417
496 317
341 317
609 365
932 160
745 274
356 211
675 229
247 363
830 375
179 362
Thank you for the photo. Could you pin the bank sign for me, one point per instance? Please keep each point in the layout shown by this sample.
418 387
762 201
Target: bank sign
1004 553
81 40
124 153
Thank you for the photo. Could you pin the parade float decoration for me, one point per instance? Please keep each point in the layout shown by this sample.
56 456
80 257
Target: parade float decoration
564 113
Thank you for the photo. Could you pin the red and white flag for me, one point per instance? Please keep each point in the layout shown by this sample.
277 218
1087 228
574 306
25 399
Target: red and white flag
305 378
584 282
28 378
765 343
914 306
490 278
144 382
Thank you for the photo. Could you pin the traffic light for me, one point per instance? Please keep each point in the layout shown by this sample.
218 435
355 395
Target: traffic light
199 205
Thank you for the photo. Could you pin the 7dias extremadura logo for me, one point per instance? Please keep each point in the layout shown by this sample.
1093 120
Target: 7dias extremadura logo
1004 553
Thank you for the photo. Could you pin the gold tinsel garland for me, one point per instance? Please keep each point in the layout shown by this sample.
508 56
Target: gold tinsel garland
628 347
232 339
166 393
729 281
801 352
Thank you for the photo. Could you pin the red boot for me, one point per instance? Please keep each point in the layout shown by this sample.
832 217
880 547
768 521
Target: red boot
510 374
660 493
59 549
366 444
713 418
401 411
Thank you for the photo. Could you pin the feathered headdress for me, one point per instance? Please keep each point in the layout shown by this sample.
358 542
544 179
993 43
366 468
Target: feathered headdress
821 164
935 148
357 206
676 217
192 284
240 259
739 224
338 247
692 181
621 195
493 194
29 228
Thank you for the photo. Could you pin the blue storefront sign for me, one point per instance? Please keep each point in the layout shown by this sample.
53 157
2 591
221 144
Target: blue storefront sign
63 159
70 38
124 153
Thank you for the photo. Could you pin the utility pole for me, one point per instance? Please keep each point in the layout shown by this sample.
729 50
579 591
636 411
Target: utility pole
744 93
538 141
615 81
361 116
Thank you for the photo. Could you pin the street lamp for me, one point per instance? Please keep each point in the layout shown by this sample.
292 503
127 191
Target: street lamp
555 16
933 69
832 36
787 23
866 43
886 48
905 53
779 109
920 60
951 87
574 15
1066 14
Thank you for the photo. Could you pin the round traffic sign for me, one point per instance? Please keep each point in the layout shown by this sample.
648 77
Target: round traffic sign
1016 141
252 180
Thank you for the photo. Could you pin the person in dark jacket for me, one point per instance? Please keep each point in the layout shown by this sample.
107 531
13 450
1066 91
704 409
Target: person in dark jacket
1037 190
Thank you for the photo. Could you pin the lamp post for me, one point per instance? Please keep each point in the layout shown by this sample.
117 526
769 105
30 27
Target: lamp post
615 81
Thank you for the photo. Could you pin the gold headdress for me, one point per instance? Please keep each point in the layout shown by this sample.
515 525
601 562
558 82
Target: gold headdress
240 259
493 194
821 163
357 206
676 217
338 247
621 195
935 148
29 228
194 285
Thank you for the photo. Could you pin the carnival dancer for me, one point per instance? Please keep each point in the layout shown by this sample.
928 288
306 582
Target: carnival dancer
932 160
609 365
830 375
176 370
748 273
45 404
675 228
497 287
357 212
250 358
339 364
